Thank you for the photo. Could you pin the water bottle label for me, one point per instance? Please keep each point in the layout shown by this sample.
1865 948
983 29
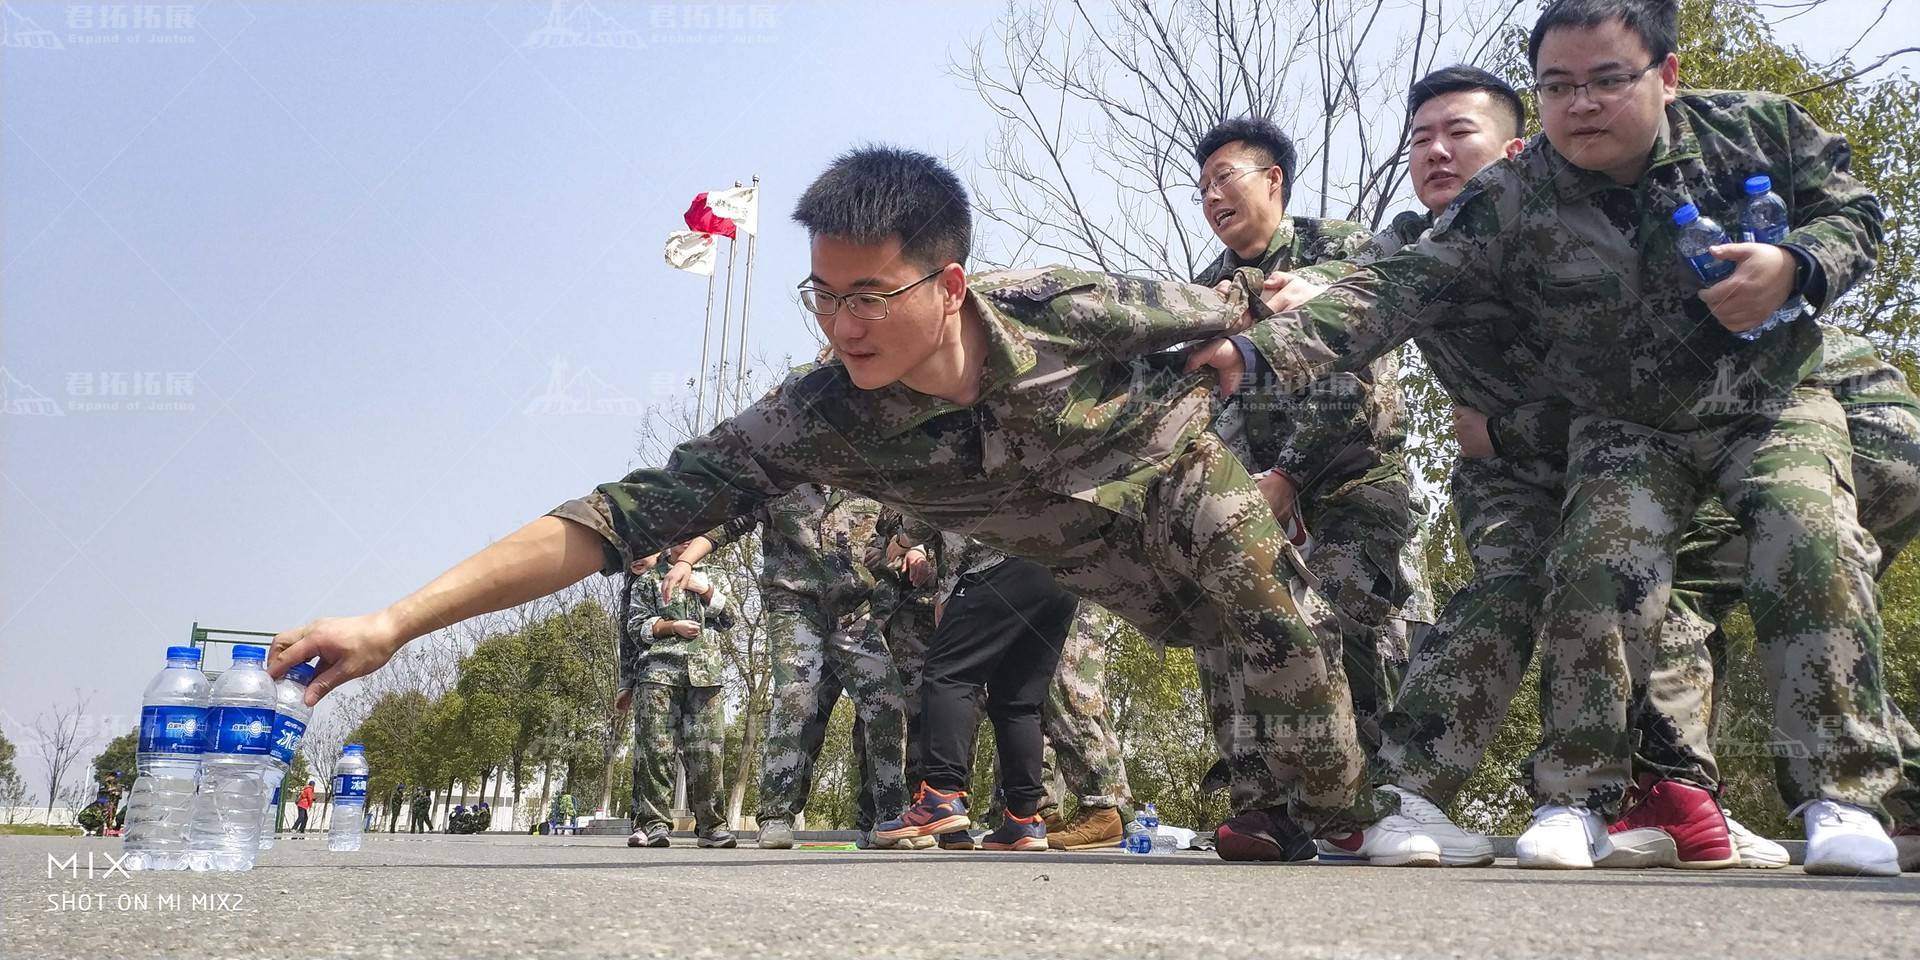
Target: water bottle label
1710 269
287 734
1775 233
172 729
247 731
350 786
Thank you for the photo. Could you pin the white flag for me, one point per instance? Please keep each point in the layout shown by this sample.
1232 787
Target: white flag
692 251
741 205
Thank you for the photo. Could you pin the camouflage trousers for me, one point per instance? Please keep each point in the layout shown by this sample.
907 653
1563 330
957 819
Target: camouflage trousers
1206 562
903 616
1631 490
1674 736
814 660
683 725
1083 752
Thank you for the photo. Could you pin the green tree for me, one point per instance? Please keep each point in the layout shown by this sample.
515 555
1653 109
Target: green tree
118 755
13 787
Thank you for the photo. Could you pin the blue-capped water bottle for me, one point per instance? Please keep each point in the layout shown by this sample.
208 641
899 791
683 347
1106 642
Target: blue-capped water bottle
1764 220
1698 235
1144 840
345 822
173 719
289 728
226 810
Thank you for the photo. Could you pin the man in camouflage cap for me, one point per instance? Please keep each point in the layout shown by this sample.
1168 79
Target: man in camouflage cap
1024 407
1574 234
816 588
672 669
1330 458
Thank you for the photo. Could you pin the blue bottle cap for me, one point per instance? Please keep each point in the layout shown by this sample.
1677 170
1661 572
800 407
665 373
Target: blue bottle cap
1687 213
1759 184
354 748
184 653
301 673
244 652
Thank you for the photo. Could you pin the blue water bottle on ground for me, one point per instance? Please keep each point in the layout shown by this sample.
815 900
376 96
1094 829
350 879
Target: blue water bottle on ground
345 822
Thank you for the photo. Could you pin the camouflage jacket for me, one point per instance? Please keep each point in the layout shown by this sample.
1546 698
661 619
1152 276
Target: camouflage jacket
1594 267
1078 417
813 544
673 660
1341 426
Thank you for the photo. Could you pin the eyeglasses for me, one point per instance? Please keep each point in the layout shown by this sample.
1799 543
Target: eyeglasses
1204 187
1601 89
866 306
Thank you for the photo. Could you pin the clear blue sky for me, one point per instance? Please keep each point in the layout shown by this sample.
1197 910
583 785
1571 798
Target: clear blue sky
325 258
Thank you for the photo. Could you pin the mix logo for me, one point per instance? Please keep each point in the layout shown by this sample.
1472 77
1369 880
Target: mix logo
93 871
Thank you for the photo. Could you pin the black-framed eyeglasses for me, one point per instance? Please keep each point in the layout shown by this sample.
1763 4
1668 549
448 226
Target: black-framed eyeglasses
1204 187
866 306
1600 89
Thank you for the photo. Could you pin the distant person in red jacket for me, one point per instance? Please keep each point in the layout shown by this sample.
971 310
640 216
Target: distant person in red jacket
305 803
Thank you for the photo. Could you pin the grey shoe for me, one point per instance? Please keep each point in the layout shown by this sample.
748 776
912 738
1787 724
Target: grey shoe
776 835
718 838
657 835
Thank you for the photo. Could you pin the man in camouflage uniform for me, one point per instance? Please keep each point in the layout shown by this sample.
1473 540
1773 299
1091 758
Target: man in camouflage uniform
671 670
817 590
1083 752
1330 458
1670 404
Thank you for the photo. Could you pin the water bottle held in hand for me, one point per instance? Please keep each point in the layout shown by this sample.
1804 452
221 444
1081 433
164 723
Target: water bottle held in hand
1764 220
1698 234
349 799
239 736
173 719
289 728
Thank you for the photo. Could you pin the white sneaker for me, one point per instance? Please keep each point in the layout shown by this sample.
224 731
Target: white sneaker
1393 841
1563 838
1641 848
1458 848
1846 841
1756 851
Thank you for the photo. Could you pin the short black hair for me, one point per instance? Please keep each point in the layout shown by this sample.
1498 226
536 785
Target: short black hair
1462 77
1260 134
1656 21
875 193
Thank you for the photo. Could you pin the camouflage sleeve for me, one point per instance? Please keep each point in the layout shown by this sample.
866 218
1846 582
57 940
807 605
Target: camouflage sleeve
1123 316
642 610
1330 415
764 451
1533 431
1383 304
1836 221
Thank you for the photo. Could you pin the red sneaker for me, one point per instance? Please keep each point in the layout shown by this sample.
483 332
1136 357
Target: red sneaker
1690 815
932 813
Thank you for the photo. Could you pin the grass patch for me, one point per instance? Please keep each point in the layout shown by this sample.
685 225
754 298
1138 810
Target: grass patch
37 830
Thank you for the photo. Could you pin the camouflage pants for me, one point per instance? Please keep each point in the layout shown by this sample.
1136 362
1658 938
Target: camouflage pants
904 619
1083 753
685 725
814 660
1205 561
1465 673
1631 492
1886 470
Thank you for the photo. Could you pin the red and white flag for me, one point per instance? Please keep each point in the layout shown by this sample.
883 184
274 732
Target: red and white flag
692 251
740 205
703 218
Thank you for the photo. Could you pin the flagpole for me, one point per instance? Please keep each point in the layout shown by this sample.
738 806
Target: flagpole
746 300
726 321
706 334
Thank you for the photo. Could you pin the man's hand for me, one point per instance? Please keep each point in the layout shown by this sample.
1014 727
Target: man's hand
917 567
1762 280
675 580
1470 428
685 628
1282 496
1284 291
699 583
1224 358
348 647
623 701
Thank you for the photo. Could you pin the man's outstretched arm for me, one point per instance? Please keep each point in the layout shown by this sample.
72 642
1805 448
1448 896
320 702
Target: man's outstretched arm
540 558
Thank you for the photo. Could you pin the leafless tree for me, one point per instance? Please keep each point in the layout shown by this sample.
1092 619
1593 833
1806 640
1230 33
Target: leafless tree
60 735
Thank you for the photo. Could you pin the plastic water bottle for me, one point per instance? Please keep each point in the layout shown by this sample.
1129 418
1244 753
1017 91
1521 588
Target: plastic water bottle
226 811
1698 234
349 799
1764 220
173 719
1147 839
289 728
